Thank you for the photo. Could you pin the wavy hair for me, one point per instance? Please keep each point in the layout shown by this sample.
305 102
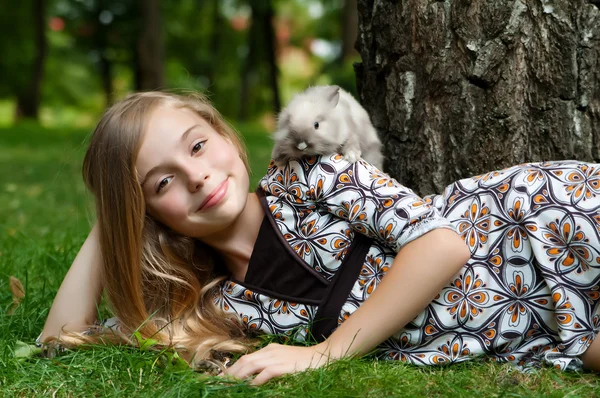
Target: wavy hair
157 282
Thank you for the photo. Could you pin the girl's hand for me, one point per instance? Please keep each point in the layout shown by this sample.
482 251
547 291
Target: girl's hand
434 257
276 360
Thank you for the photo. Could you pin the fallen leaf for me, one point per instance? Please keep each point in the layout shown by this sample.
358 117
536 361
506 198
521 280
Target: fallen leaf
24 350
18 293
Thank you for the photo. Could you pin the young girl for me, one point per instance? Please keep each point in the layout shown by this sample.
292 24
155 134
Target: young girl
504 264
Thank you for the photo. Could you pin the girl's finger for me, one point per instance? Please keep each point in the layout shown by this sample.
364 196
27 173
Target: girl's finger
248 369
266 375
255 357
242 362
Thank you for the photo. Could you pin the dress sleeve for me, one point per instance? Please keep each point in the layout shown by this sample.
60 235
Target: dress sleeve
372 202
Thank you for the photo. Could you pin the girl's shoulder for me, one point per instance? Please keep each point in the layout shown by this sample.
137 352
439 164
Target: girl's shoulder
302 167
370 201
311 177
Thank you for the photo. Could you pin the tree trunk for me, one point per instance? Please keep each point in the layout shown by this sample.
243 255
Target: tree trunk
349 29
249 67
269 40
150 48
105 64
106 76
215 41
459 87
28 100
261 46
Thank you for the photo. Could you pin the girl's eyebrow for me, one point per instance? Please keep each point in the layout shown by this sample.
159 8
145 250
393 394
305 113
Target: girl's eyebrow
183 138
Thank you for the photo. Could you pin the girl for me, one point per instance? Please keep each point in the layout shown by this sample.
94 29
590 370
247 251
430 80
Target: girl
505 264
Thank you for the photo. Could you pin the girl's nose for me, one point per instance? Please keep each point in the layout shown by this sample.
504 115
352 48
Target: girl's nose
196 179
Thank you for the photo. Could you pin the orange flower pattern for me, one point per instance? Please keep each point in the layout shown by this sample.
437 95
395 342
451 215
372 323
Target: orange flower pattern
526 296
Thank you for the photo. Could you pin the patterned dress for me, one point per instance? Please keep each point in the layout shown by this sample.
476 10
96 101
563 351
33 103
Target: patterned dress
528 294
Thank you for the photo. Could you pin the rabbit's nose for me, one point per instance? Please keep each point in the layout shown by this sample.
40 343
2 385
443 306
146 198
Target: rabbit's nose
301 145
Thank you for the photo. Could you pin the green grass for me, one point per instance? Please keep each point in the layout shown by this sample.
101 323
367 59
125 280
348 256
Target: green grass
44 218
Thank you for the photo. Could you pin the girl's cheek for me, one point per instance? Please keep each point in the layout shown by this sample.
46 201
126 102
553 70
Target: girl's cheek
172 206
228 154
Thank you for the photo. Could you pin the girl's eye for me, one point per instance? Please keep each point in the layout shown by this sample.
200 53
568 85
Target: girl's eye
316 125
163 184
199 145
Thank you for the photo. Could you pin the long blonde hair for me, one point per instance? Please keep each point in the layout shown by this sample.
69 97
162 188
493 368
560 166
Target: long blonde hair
157 282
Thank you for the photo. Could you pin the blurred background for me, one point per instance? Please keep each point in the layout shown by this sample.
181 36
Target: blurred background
63 61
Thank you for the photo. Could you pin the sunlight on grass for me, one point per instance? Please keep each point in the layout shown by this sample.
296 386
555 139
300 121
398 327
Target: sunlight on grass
7 112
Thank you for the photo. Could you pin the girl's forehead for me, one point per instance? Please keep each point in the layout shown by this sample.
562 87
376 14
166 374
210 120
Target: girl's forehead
168 119
167 123
166 129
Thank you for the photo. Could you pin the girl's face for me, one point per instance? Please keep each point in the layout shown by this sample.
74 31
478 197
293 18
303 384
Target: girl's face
193 178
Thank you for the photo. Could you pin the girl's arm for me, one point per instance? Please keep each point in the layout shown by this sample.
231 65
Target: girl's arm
74 307
417 275
419 272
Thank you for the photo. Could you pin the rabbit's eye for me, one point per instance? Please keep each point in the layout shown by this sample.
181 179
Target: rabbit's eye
316 125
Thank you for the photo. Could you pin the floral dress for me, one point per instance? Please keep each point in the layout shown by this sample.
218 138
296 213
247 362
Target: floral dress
528 294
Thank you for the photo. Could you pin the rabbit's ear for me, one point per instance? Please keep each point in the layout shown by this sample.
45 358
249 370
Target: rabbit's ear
332 95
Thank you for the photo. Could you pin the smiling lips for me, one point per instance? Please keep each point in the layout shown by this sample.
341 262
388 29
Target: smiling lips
215 196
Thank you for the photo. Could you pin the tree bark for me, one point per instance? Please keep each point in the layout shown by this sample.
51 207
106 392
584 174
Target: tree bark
150 48
28 100
459 87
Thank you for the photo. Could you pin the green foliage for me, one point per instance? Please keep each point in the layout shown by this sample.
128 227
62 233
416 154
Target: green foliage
76 98
341 74
17 44
204 50
98 33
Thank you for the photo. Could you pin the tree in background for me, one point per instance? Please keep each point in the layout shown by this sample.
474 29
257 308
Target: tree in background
204 41
349 27
339 26
126 33
149 50
261 52
96 47
106 31
457 88
24 49
215 40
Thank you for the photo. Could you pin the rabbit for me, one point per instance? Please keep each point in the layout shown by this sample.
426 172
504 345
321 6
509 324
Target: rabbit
323 120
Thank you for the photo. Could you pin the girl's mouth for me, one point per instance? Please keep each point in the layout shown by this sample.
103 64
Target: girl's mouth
215 196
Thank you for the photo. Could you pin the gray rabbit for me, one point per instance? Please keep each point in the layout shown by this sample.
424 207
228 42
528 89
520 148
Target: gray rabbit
322 120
